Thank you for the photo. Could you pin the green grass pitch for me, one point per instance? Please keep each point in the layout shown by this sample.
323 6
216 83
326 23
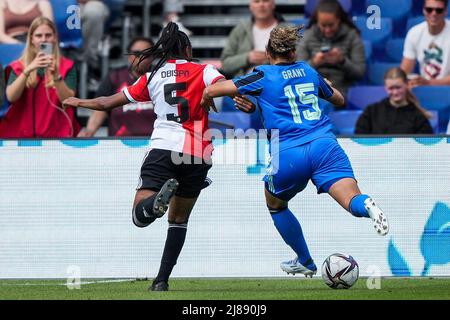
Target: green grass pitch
227 289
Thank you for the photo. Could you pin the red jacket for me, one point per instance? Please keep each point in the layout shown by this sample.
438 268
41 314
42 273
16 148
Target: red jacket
33 116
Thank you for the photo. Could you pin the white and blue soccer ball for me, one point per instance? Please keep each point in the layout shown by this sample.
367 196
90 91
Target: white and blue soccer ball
340 271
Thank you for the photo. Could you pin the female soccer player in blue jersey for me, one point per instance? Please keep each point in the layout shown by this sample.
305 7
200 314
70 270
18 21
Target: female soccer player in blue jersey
287 93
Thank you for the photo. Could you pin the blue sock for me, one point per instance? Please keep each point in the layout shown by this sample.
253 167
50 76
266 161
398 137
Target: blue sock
357 206
290 230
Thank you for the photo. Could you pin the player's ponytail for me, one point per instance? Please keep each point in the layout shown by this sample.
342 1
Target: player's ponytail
173 44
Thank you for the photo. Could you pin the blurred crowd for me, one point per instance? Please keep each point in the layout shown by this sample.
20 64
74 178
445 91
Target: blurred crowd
36 82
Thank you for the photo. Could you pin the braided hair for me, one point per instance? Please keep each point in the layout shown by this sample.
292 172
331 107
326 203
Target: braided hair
173 44
283 40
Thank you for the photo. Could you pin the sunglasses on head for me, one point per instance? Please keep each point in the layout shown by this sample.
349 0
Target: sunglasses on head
431 9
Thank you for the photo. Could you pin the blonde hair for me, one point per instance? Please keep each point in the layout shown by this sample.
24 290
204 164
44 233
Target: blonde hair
283 40
30 52
397 73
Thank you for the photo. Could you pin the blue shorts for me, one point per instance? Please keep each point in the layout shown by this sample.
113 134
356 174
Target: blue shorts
321 160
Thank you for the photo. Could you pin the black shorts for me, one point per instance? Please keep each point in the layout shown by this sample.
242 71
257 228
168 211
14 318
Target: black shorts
159 166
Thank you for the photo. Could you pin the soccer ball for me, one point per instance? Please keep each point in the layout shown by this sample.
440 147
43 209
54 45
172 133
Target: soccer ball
340 271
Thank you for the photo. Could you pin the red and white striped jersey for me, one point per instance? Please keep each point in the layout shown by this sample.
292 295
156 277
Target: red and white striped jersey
176 90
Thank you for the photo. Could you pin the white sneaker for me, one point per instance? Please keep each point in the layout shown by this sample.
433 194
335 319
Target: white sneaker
294 266
380 221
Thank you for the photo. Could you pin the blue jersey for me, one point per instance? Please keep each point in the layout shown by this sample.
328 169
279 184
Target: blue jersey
287 96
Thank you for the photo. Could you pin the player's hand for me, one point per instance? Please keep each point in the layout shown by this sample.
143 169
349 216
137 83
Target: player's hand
85 133
207 102
319 59
244 104
71 102
419 81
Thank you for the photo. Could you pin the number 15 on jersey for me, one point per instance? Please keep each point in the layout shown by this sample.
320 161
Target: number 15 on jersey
300 91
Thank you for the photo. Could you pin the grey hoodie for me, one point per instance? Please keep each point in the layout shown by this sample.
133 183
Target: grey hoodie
349 42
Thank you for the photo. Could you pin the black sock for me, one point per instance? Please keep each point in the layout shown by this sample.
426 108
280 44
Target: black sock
143 209
176 234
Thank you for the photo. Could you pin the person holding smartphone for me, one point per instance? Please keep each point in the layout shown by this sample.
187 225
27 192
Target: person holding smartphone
37 84
333 46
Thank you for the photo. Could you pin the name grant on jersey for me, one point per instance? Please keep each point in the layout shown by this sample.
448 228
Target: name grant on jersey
174 73
294 73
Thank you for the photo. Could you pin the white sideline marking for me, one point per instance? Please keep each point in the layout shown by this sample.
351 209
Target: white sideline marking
65 284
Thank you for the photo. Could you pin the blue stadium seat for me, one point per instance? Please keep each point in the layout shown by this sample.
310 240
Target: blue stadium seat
377 37
300 21
311 6
359 97
10 52
367 50
358 7
68 38
394 50
377 71
344 121
435 98
414 21
397 10
417 7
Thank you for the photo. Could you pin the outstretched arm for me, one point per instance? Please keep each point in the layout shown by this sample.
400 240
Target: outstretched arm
219 89
100 103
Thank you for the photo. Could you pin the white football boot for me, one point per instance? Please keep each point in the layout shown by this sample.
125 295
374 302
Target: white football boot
294 266
380 221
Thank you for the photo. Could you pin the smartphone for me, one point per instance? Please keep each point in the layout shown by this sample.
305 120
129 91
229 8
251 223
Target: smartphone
325 49
46 47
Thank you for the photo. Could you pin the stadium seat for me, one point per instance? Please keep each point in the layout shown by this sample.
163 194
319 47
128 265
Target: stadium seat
414 21
311 6
300 21
377 71
367 50
435 98
359 97
397 10
10 52
344 121
417 7
377 37
394 50
68 38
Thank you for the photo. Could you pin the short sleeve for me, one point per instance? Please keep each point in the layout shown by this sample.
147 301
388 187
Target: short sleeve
325 91
211 75
138 92
409 50
251 83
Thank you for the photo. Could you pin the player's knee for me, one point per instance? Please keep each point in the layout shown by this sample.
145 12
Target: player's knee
277 209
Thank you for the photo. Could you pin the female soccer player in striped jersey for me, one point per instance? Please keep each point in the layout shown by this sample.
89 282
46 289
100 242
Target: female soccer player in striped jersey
174 170
287 93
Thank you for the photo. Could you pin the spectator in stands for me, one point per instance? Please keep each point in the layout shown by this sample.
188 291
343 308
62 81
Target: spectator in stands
171 13
132 119
16 17
246 44
399 113
94 14
37 84
2 86
333 46
429 44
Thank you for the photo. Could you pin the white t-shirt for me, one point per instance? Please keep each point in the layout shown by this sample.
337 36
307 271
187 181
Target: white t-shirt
261 37
431 51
